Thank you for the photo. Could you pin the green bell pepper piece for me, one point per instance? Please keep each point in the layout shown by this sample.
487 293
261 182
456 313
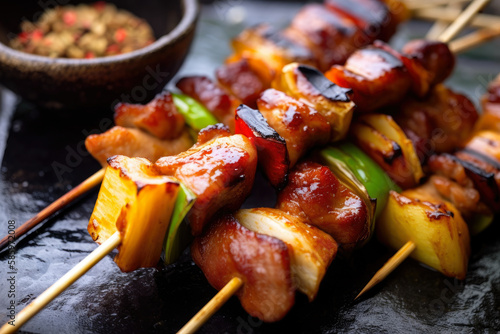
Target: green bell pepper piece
196 115
178 235
373 177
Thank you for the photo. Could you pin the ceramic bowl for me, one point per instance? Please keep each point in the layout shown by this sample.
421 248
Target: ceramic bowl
100 82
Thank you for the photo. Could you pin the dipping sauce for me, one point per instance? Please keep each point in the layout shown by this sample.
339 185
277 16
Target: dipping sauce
83 31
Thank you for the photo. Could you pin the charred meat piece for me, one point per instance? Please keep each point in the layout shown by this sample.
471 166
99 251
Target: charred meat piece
301 126
330 35
312 250
220 172
434 56
271 147
464 197
242 81
310 86
420 77
470 171
377 78
159 117
218 101
228 250
374 17
134 143
315 194
272 47
439 123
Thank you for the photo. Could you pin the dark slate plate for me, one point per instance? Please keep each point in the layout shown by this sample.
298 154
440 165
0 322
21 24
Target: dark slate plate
42 157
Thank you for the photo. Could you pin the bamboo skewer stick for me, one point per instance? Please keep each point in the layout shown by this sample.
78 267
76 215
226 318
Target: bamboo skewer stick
212 306
462 20
58 204
389 266
440 25
473 39
449 15
63 283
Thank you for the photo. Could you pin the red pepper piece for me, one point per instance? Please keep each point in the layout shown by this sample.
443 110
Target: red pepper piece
120 35
271 147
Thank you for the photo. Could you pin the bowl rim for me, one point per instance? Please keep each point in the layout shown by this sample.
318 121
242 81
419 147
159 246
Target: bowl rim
190 9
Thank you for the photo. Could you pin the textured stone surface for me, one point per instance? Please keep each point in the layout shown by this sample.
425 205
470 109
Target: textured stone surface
412 299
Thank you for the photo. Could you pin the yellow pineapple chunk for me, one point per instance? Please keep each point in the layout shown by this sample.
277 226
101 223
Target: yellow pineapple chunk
312 249
137 202
436 227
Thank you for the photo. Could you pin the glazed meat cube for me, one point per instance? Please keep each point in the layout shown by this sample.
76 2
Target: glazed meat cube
377 78
315 194
331 36
134 143
219 171
218 101
227 250
301 126
159 117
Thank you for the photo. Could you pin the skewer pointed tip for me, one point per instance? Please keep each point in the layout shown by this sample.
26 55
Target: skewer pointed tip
389 266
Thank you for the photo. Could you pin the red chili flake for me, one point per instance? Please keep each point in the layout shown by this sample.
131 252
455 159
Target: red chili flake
89 55
37 35
69 17
23 36
120 35
113 49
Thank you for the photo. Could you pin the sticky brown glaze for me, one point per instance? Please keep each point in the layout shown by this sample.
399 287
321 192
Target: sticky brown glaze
159 117
220 172
272 47
331 36
228 250
134 143
242 81
217 100
439 123
470 173
372 16
316 195
436 57
302 127
377 78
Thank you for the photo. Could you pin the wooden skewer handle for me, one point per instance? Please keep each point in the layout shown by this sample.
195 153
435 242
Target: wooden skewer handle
473 39
212 306
462 20
58 204
389 266
62 284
